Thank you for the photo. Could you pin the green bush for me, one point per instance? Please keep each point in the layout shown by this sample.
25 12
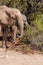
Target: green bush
34 34
39 22
20 4
26 35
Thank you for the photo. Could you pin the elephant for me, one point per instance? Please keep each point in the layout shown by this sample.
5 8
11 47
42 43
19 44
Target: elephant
11 17
16 15
4 26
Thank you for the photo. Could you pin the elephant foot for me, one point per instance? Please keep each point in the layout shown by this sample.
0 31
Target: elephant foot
4 46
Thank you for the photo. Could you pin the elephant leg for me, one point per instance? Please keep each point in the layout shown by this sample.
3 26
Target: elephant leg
4 38
14 28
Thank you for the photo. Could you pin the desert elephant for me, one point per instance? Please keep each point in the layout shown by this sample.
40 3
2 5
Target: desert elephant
4 23
15 14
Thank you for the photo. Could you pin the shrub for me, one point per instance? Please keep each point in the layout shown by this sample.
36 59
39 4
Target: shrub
38 21
34 34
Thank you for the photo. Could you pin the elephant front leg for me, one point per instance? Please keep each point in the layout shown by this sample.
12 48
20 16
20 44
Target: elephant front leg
3 44
14 28
4 39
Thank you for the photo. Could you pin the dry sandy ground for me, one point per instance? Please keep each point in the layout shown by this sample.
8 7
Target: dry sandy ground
15 58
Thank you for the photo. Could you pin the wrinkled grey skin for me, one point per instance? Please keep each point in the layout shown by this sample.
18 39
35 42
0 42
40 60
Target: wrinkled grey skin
15 14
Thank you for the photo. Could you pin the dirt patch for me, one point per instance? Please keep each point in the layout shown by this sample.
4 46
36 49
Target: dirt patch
16 58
